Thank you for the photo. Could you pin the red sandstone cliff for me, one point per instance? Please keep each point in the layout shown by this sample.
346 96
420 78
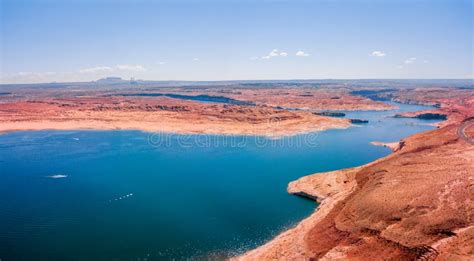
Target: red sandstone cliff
417 203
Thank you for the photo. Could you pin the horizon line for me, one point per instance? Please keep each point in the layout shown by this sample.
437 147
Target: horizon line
248 80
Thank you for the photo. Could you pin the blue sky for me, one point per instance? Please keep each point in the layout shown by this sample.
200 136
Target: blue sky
43 41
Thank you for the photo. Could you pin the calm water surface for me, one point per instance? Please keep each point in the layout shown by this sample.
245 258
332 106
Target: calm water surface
126 199
201 98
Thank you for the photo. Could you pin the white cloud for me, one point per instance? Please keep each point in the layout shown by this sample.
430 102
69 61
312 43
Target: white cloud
134 68
275 53
425 61
302 54
86 74
30 77
195 59
378 54
34 74
96 69
410 60
22 74
161 63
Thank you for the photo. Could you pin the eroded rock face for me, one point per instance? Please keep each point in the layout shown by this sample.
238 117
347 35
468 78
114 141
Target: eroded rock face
275 110
158 114
416 197
416 203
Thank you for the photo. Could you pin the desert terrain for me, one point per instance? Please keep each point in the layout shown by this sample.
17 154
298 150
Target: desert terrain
417 203
261 111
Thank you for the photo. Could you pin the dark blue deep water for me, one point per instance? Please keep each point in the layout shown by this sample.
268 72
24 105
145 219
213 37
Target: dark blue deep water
129 195
200 98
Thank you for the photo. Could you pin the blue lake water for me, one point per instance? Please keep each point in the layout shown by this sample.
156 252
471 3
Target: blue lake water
129 195
201 98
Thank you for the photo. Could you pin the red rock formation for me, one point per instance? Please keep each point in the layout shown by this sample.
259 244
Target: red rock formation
417 203
158 114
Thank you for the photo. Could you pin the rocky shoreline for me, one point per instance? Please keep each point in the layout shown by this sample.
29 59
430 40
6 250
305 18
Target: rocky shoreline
173 110
416 203
160 114
394 146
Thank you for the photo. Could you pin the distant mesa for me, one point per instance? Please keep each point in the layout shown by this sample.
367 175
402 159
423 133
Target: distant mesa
109 80
118 80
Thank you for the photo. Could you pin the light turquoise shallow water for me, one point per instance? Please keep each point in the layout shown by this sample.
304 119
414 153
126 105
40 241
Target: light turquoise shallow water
126 199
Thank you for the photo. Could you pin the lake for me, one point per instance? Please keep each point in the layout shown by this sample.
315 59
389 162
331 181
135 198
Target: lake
201 98
131 195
